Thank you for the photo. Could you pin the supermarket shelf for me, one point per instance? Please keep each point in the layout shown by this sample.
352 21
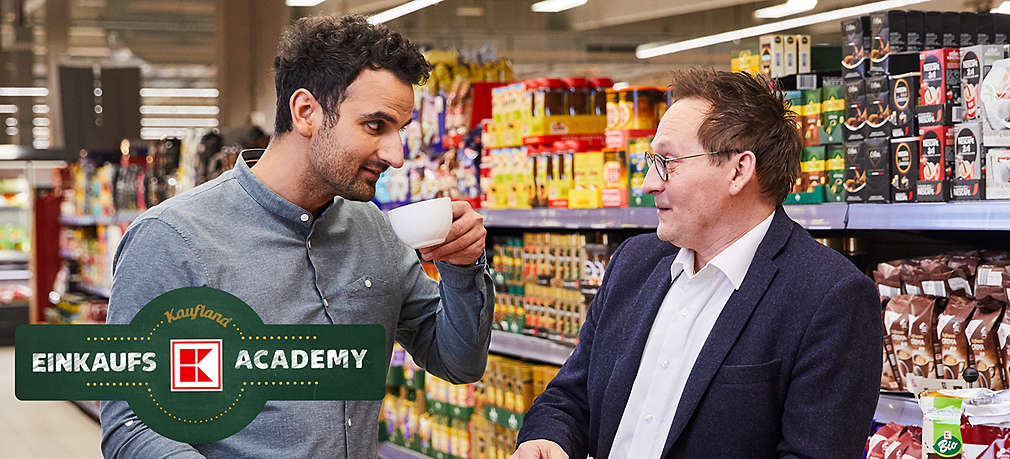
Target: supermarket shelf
13 256
529 347
15 275
902 409
391 451
819 216
981 215
605 218
95 290
88 407
91 220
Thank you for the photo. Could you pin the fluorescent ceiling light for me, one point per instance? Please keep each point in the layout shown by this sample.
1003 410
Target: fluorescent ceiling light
9 109
788 8
180 92
24 92
303 2
554 6
1003 8
179 110
158 133
40 121
401 10
178 122
40 109
650 50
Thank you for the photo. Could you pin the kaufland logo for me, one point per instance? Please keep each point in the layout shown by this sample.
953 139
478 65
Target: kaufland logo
196 365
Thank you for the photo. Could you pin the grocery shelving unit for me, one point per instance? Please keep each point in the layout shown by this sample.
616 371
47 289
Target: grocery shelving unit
529 347
899 408
391 451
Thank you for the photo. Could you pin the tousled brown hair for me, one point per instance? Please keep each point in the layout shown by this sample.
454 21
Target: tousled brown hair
747 114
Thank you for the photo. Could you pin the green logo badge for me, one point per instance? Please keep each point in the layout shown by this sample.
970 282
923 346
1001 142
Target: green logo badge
197 364
947 444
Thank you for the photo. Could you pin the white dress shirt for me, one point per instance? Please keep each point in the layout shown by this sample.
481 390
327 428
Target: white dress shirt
682 326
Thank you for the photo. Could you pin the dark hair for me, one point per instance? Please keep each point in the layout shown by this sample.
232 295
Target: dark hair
747 114
325 55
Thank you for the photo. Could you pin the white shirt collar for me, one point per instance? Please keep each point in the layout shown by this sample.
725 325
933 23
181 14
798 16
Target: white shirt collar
733 261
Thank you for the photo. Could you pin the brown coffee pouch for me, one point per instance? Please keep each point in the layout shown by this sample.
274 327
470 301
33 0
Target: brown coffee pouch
888 279
982 337
989 281
964 267
1003 340
922 317
911 277
896 315
935 275
992 256
953 340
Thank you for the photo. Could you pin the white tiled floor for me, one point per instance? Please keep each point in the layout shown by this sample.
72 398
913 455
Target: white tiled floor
42 429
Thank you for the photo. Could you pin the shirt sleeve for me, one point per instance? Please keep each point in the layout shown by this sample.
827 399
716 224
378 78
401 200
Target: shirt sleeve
447 328
152 258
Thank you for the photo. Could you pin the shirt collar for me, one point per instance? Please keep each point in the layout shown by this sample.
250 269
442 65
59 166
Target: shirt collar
733 261
266 197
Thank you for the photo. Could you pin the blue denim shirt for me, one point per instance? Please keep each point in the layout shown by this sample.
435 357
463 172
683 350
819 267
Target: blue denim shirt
345 267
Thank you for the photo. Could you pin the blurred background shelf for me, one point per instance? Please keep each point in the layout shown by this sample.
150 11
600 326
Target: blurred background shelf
529 347
92 220
391 451
899 408
979 215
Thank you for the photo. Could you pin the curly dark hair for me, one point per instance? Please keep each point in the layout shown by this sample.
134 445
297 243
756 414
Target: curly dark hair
325 55
748 113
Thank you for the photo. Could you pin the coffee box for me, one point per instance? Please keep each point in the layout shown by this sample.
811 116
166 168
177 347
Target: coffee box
834 190
904 92
880 43
809 111
932 30
976 62
896 317
969 30
936 150
638 167
985 29
939 87
968 184
954 347
950 32
878 109
1001 29
997 175
855 110
803 56
833 108
897 30
915 32
809 188
922 336
878 170
854 34
856 189
982 331
904 168
789 58
766 58
994 105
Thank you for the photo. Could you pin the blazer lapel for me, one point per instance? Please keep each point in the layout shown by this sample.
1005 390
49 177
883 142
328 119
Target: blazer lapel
730 324
636 326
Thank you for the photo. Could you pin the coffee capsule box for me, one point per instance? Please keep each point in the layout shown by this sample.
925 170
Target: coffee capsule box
968 30
855 173
932 30
997 174
878 108
915 33
968 184
810 116
994 105
832 115
936 150
976 62
803 43
904 168
855 32
939 87
789 55
855 110
986 28
950 31
880 43
809 188
834 163
904 92
1001 27
878 170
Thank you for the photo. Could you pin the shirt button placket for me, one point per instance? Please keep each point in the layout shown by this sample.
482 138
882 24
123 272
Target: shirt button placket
304 218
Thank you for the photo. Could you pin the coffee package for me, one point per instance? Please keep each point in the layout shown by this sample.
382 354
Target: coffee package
888 279
810 116
835 173
932 28
880 43
1001 26
976 62
855 110
875 445
896 330
789 51
889 369
911 277
895 449
982 333
953 340
878 170
939 87
803 56
809 186
994 105
997 175
998 449
833 107
855 172
915 33
968 30
878 109
854 34
935 273
963 267
897 30
1003 341
904 168
936 151
989 281
968 184
923 313
950 33
904 92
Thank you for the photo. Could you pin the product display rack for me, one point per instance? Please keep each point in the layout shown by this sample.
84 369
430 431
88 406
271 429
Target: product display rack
124 217
898 407
391 451
529 347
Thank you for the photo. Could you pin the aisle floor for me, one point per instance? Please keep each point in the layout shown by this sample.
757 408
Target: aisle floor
42 429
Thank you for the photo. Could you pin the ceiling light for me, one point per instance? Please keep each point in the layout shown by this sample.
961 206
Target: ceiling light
788 8
179 110
303 2
9 109
173 92
470 11
1003 8
650 50
24 92
554 6
178 122
401 10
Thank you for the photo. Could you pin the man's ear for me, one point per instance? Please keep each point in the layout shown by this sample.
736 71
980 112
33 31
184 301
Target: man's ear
744 171
306 113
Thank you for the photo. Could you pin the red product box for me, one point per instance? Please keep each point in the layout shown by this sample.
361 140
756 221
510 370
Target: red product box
939 87
936 156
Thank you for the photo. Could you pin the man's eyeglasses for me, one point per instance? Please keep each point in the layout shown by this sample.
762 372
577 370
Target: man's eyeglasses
664 165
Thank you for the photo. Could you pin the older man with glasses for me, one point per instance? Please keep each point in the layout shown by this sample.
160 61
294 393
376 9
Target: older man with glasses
730 332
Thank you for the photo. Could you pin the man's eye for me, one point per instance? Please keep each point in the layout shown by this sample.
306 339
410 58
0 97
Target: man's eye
374 126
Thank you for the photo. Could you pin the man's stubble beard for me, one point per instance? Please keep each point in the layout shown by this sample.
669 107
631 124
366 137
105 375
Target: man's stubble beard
333 170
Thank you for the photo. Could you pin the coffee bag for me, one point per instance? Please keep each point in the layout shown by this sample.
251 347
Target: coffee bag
953 340
985 350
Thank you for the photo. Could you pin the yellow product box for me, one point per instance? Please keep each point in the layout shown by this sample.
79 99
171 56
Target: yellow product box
746 61
589 181
565 125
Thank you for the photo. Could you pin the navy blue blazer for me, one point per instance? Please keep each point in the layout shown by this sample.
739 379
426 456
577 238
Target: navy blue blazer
790 369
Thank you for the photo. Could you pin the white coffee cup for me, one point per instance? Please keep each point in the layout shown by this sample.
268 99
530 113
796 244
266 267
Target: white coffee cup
422 224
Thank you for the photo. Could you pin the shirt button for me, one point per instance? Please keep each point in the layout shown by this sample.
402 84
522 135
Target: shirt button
683 312
666 364
304 217
648 418
368 283
325 302
348 422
